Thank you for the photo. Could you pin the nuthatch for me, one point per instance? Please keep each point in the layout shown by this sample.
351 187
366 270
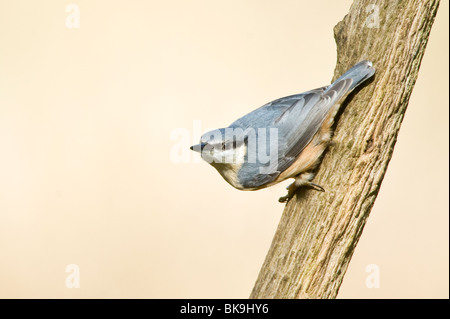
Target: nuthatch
282 139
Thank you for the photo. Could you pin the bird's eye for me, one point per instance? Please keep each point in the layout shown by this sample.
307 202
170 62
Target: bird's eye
229 145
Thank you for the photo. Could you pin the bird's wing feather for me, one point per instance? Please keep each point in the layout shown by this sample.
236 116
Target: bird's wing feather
264 116
304 119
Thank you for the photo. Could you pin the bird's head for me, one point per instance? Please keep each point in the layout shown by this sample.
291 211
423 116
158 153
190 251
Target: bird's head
222 147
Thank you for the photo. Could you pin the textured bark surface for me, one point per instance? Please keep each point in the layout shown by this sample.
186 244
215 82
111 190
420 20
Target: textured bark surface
318 232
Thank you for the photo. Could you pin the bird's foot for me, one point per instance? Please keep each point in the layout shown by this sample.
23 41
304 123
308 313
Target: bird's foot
284 199
294 186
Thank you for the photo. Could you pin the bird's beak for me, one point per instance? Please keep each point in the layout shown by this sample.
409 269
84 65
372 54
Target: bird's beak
198 147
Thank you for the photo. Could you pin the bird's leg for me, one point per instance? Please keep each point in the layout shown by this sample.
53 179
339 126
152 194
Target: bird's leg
300 180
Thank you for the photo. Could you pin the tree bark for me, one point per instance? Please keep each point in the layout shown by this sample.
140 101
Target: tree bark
318 232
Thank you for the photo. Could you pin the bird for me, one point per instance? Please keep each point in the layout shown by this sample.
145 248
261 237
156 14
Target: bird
283 139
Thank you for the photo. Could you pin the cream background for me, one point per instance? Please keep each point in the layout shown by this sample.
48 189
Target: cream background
86 175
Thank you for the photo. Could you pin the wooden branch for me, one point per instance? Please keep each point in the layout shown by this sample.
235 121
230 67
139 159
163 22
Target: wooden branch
318 232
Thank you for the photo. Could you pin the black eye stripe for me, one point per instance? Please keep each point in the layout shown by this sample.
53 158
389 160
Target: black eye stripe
228 145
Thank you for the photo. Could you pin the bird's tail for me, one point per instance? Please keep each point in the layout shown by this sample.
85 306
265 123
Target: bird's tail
358 73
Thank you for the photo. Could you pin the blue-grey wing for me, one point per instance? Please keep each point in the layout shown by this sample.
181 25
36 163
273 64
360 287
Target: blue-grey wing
301 122
266 115
297 127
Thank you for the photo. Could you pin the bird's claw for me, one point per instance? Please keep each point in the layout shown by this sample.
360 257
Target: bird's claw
316 187
284 199
292 189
